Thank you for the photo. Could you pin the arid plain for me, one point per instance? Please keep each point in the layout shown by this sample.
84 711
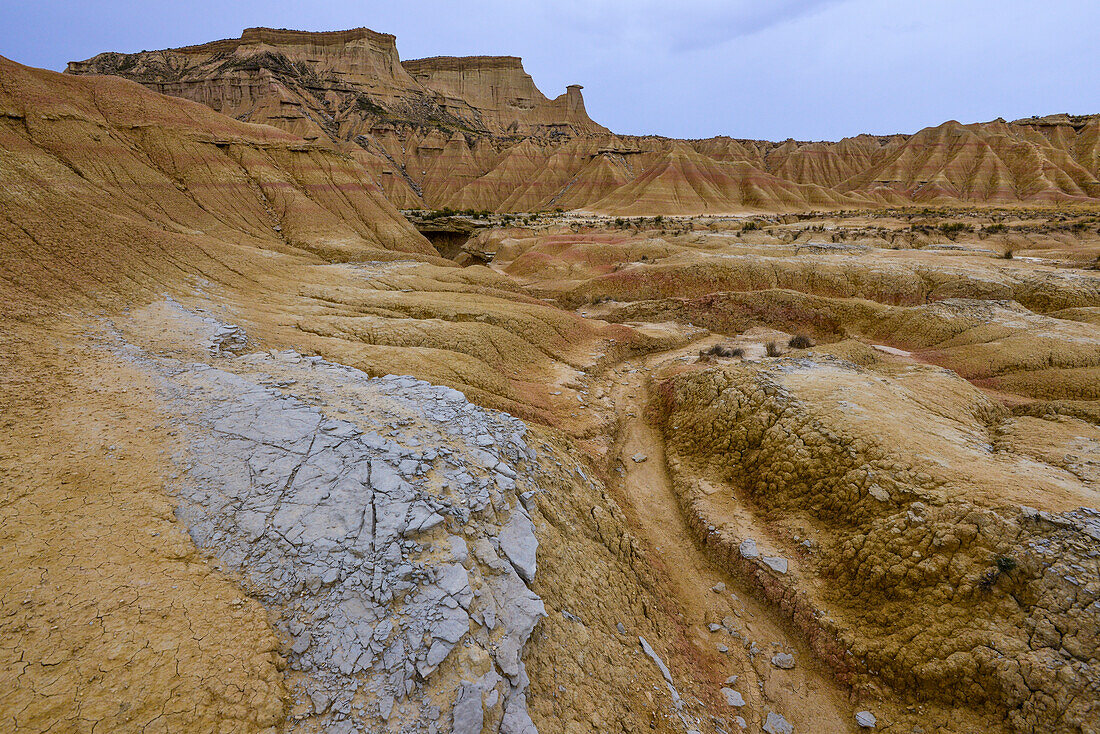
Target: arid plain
341 393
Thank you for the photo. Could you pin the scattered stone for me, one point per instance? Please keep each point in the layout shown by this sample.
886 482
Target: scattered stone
718 588
227 338
638 458
776 724
783 660
620 627
320 701
748 549
714 627
866 720
649 651
878 493
733 698
779 565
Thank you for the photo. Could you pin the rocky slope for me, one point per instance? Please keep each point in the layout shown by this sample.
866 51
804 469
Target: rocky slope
146 241
271 463
476 133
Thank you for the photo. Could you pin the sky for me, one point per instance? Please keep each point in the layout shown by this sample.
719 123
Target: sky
768 69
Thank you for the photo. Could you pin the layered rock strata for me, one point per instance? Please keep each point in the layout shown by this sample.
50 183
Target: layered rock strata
914 560
476 133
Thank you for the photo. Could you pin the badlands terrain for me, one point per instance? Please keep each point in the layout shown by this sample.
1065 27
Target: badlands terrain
341 393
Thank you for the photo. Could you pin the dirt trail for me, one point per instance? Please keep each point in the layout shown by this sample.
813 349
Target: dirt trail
807 695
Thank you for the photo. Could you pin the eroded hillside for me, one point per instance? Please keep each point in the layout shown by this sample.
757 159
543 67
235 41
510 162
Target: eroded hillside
274 463
476 133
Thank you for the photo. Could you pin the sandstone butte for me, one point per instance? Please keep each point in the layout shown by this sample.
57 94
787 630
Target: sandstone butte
750 436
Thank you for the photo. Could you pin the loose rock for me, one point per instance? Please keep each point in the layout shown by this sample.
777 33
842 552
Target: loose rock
783 660
776 724
866 720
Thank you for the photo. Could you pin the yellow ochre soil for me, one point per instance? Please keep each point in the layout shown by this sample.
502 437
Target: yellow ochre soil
919 480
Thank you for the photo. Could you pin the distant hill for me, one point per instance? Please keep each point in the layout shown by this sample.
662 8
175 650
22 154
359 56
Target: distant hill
475 132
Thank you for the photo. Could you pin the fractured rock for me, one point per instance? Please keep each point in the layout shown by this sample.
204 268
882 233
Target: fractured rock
519 543
326 520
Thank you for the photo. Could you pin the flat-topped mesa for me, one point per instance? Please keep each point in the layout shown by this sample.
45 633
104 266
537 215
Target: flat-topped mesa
285 37
504 94
234 75
340 84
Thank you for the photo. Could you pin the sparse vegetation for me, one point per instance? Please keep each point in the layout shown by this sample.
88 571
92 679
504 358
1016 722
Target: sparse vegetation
721 350
951 230
366 104
1001 566
772 349
449 212
800 341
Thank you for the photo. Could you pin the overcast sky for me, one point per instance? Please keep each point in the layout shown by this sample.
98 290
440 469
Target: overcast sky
807 69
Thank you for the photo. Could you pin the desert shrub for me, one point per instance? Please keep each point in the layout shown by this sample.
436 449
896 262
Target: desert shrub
995 229
719 350
800 341
750 225
772 349
1008 253
952 229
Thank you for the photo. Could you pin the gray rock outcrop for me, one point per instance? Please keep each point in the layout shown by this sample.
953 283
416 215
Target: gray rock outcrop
386 543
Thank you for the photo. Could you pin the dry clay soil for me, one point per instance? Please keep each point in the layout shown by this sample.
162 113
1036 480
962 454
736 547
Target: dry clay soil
146 633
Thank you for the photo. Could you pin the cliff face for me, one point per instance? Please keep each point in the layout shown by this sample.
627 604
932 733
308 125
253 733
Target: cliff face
503 94
475 132
343 83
